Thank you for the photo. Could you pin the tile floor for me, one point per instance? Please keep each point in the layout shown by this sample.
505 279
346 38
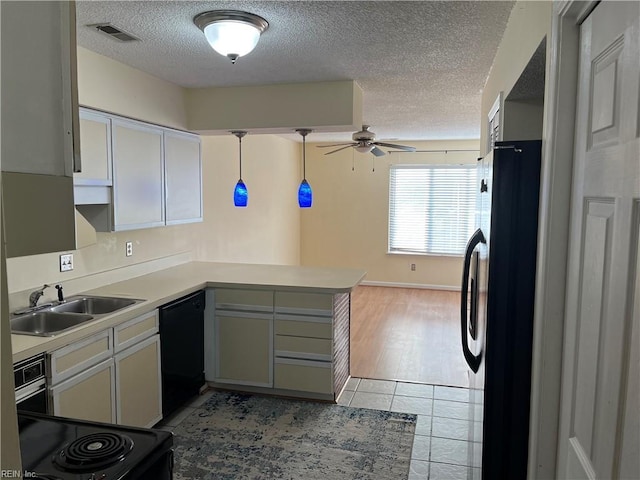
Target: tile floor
440 446
441 442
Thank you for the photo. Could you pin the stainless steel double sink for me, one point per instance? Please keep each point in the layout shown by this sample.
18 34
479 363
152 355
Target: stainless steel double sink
52 320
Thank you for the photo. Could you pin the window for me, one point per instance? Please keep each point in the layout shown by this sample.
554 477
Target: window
432 208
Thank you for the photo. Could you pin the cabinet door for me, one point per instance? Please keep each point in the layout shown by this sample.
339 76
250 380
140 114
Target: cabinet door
37 126
95 149
39 91
138 175
89 395
138 384
183 176
244 348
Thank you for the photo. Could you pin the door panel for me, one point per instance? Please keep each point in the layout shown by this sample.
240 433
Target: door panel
599 426
629 458
590 376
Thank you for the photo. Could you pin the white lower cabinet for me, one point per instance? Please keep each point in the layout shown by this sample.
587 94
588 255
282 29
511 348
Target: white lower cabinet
112 376
90 395
294 342
244 348
303 353
138 398
303 356
243 331
303 375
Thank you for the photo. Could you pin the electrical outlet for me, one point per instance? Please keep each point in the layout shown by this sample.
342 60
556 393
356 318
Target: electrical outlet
66 262
129 248
412 266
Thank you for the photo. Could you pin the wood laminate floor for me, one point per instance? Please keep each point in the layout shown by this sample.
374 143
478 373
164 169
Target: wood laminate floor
408 335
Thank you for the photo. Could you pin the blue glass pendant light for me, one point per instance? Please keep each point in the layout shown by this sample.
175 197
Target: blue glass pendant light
240 193
305 195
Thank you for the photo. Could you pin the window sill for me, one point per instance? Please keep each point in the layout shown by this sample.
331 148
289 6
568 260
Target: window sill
416 254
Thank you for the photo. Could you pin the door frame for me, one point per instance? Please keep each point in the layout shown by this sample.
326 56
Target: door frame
563 49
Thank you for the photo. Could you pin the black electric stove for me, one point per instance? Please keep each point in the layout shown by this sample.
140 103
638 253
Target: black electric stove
57 448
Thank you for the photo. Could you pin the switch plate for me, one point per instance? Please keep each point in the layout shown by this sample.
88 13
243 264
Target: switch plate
66 262
129 251
412 266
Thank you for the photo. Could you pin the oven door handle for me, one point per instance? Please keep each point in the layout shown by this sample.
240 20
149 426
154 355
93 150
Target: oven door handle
30 390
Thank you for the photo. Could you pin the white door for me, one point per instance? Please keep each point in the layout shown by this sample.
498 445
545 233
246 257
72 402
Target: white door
600 404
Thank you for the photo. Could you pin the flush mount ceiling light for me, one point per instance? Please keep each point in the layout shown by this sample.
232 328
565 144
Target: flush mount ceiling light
231 33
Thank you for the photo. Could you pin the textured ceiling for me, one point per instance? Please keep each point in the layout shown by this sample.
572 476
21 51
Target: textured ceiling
421 65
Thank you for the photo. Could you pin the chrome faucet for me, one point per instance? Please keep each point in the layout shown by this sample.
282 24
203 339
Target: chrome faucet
35 296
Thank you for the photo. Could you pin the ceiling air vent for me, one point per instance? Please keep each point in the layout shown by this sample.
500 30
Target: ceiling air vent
113 32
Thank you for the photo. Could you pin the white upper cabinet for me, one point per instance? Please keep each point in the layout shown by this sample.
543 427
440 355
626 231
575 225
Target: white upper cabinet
138 175
39 90
95 149
39 119
183 177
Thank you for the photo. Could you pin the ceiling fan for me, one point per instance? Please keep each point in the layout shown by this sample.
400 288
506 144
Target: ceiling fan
364 142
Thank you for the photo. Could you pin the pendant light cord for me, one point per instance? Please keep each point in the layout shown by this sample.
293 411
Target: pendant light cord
304 158
240 151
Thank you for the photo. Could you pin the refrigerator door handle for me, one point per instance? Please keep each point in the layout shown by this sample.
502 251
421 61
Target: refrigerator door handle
472 360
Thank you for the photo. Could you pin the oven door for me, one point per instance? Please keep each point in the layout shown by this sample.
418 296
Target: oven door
32 397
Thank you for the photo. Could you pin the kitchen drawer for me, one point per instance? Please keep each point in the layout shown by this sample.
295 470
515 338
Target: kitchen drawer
301 347
298 326
248 300
304 303
67 361
135 330
303 375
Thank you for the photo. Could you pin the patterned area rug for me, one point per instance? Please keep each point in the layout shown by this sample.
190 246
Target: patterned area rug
236 437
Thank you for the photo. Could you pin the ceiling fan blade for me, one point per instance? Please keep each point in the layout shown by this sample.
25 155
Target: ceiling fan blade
397 147
334 151
377 152
334 145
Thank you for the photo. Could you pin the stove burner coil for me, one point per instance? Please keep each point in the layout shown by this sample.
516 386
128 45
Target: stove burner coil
94 451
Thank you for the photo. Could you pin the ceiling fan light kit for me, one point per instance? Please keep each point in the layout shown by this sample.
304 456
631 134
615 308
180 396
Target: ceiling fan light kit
240 192
231 33
305 194
364 141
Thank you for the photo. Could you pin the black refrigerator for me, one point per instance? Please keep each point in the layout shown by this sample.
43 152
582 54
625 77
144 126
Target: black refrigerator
497 308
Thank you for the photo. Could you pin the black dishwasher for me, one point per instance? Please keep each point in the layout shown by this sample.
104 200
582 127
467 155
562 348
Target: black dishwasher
182 350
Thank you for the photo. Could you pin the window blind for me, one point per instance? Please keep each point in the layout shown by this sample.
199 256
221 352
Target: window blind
432 208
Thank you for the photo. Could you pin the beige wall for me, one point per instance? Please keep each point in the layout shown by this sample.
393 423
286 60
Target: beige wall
268 229
529 23
330 106
522 120
109 85
265 232
347 225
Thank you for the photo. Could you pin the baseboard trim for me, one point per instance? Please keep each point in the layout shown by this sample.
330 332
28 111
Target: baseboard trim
424 286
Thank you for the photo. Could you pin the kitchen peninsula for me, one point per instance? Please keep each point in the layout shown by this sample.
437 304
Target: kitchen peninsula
270 328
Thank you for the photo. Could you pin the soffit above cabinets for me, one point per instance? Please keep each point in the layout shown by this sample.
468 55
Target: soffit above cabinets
421 65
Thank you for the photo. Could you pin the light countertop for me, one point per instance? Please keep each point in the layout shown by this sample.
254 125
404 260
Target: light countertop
167 285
